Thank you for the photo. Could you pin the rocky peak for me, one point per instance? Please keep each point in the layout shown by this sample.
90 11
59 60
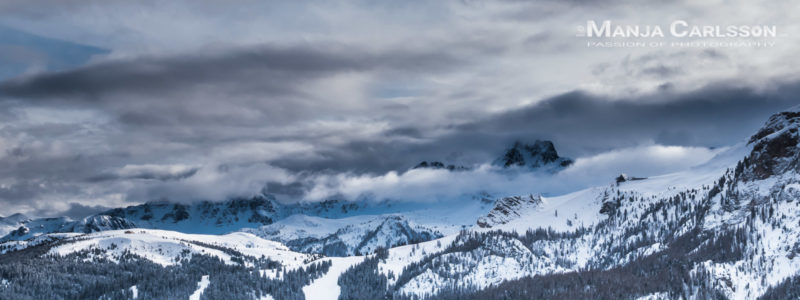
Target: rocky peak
775 147
777 123
508 209
536 155
100 223
438 165
624 177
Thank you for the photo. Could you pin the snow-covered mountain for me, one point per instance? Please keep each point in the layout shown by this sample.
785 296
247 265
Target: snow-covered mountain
726 229
333 228
203 217
30 228
10 223
346 236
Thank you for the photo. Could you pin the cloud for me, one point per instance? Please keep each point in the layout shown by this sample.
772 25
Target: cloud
271 69
211 183
78 211
331 97
319 159
149 172
582 123
642 161
438 184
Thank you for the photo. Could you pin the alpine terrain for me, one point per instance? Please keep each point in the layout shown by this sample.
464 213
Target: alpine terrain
726 229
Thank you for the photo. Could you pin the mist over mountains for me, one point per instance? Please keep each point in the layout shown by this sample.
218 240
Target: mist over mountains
668 236
412 150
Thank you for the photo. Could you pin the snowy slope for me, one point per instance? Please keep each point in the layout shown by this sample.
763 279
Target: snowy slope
739 221
326 287
162 247
346 236
10 223
582 208
509 208
201 286
295 221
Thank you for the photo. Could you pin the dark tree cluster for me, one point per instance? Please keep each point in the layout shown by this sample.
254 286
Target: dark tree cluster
30 274
364 280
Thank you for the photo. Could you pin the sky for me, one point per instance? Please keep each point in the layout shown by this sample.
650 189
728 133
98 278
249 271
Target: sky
114 103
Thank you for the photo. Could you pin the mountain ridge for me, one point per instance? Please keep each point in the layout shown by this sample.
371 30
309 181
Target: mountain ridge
725 229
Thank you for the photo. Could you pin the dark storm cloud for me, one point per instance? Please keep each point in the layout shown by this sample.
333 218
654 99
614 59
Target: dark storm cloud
147 173
365 156
145 111
714 116
338 87
275 70
294 189
580 124
200 95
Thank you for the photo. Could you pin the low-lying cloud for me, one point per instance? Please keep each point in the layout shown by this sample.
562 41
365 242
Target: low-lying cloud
440 184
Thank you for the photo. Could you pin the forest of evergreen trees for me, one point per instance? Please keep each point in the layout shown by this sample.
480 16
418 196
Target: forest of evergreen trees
667 271
86 275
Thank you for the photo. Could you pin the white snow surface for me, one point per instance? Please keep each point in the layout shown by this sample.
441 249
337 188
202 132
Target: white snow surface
655 296
327 287
162 246
201 287
135 291
563 213
581 208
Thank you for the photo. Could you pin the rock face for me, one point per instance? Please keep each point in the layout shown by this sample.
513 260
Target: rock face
101 223
624 177
537 155
258 210
509 208
439 165
775 148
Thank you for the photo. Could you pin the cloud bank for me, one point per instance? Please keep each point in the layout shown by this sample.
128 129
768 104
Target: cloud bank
308 99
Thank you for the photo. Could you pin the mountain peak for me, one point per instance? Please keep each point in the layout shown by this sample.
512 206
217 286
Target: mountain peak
775 147
439 165
13 219
788 120
538 154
